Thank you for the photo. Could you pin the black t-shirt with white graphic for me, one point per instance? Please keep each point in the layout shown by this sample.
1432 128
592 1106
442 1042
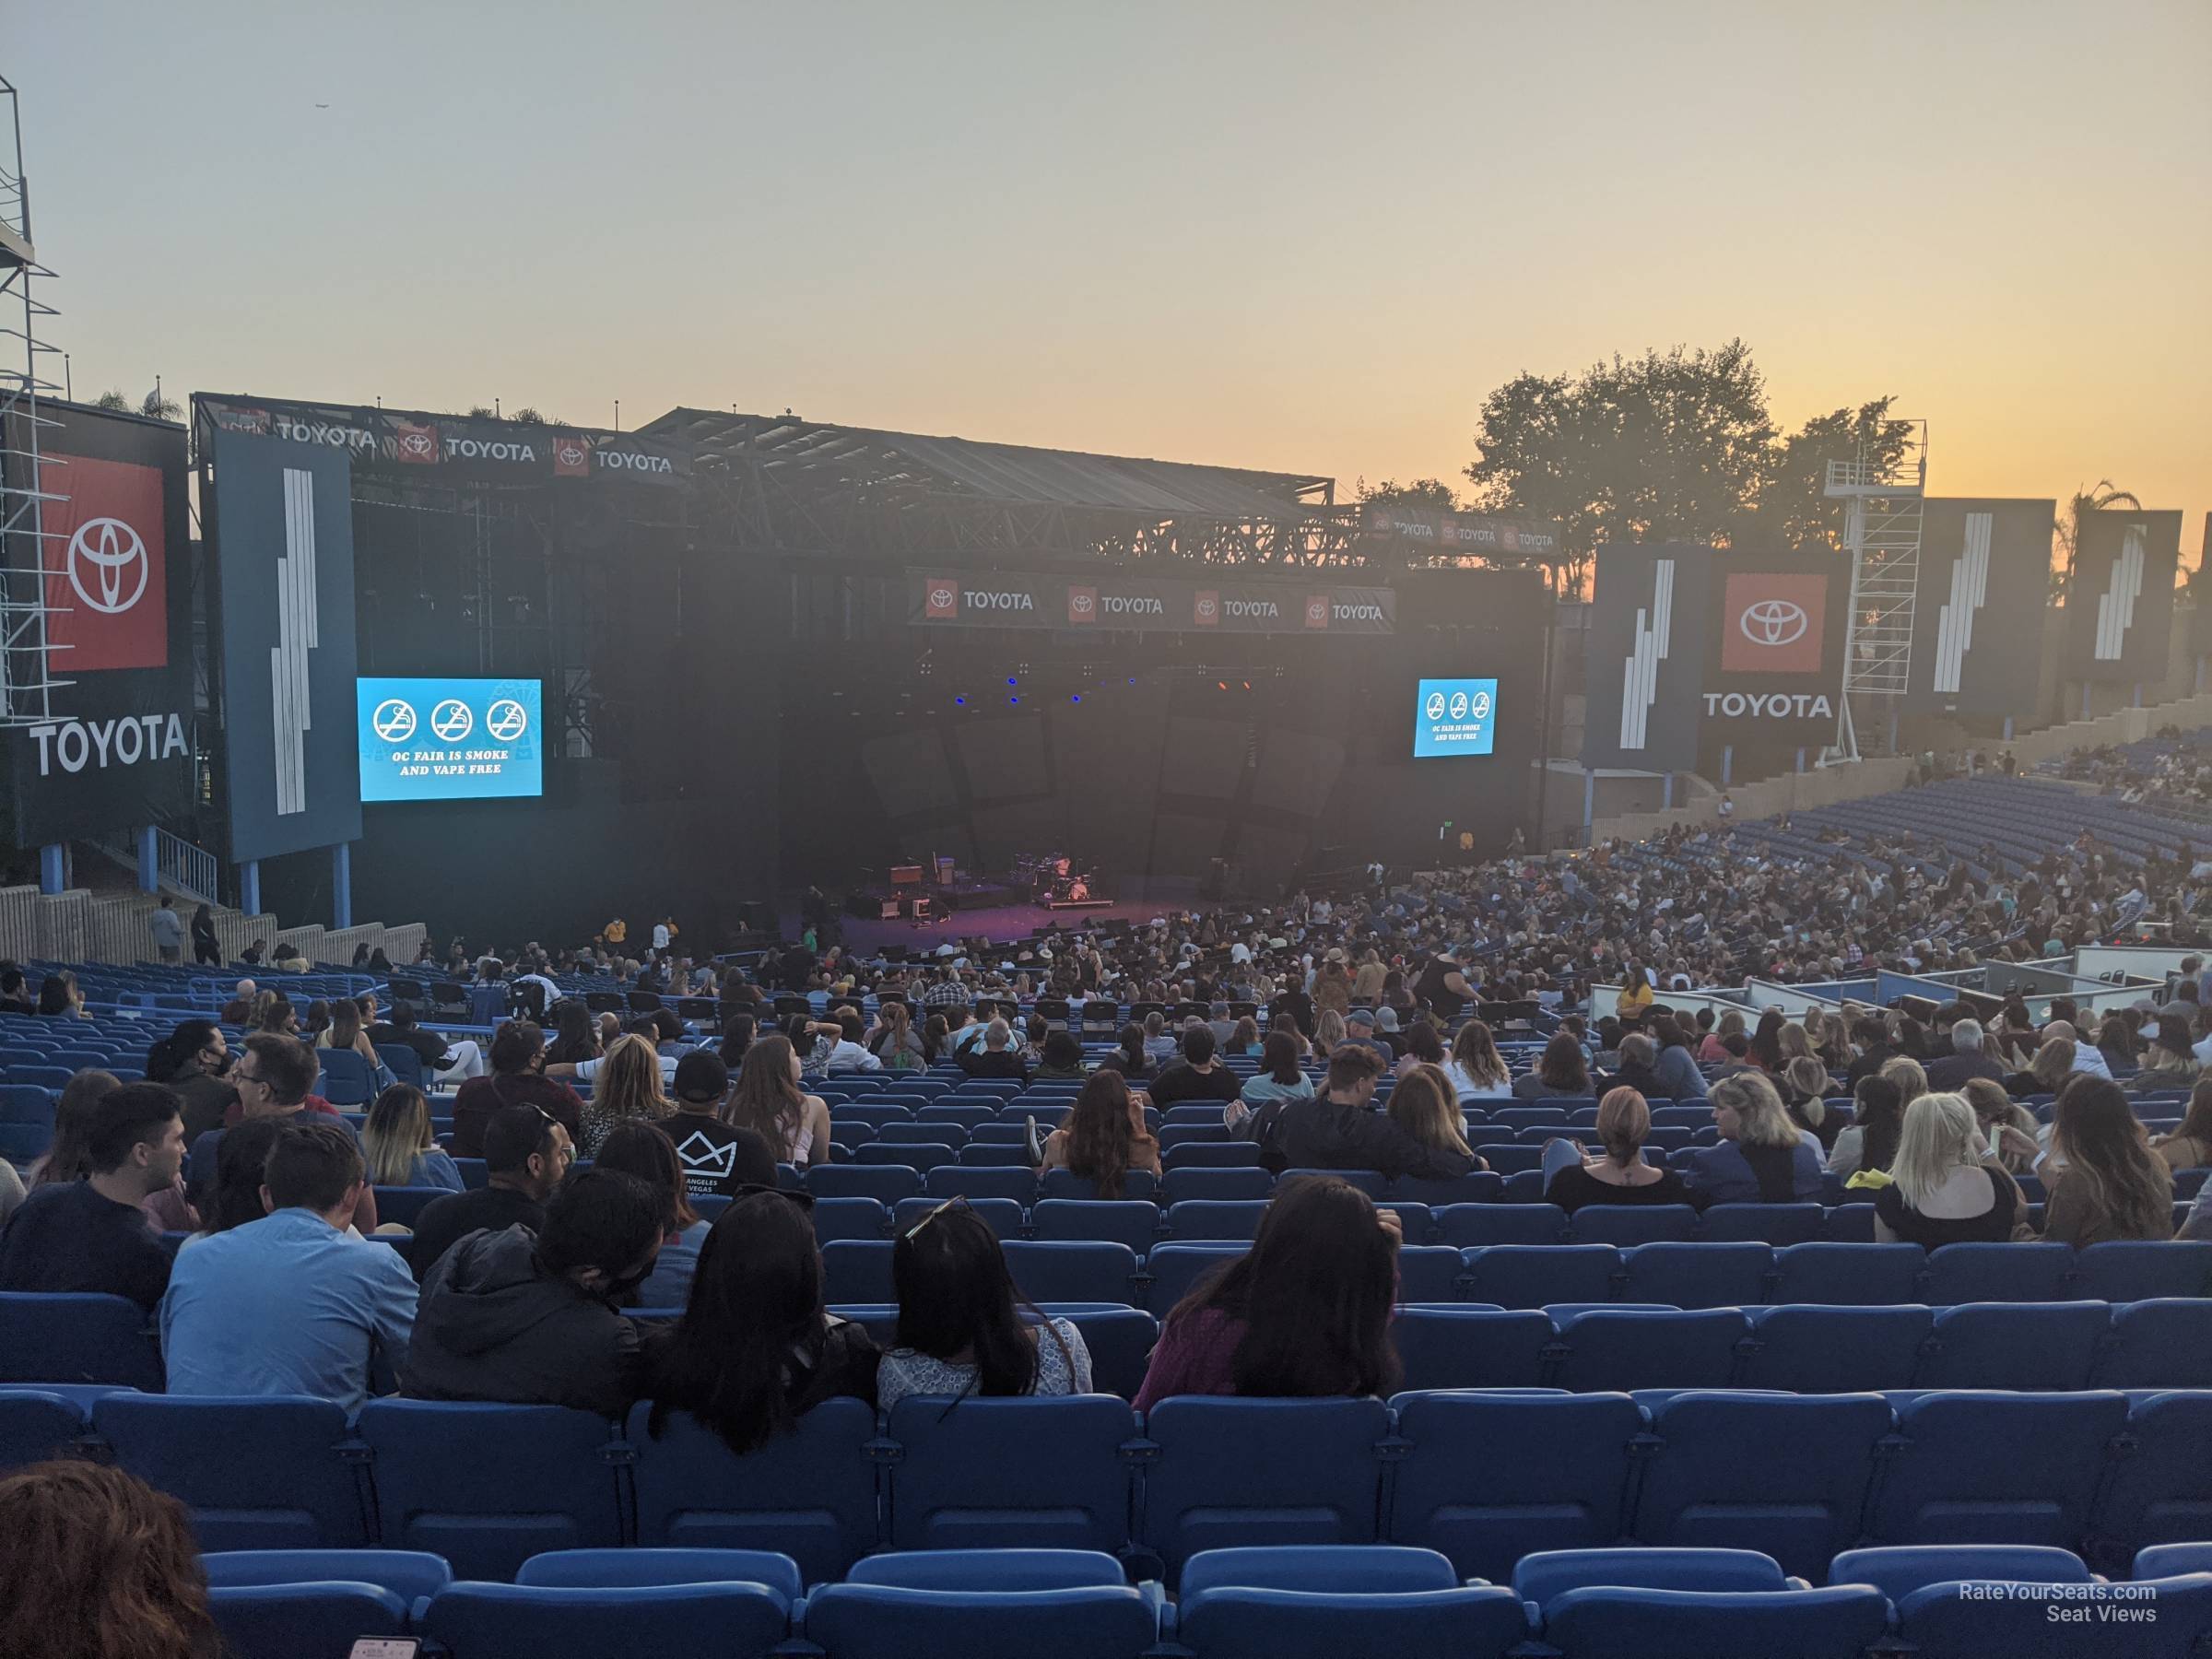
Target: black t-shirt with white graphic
717 1159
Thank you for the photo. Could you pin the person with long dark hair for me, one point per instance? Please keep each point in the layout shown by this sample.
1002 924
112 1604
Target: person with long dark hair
1129 1058
643 1150
233 1197
575 1034
207 950
961 1329
2102 1179
1104 1136
755 1349
1304 1313
1870 1140
769 1101
1562 1071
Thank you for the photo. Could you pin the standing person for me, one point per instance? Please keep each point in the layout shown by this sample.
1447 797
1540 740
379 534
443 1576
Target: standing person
206 949
289 1304
1105 1135
2102 1181
91 1235
118 1556
526 1154
769 1101
961 1329
168 929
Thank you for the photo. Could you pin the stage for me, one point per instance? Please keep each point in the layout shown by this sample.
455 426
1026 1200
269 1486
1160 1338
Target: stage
1000 923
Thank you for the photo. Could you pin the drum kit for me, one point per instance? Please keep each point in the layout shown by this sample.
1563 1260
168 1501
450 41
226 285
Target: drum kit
1053 875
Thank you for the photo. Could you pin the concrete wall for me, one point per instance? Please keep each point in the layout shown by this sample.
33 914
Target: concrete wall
79 926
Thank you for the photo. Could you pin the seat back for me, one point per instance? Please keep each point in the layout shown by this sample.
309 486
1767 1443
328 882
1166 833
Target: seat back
1529 1276
1697 1276
1986 1273
876 1621
2050 1345
1092 1270
988 1569
2141 1269
1898 1569
2161 1344
1837 1274
1627 1349
283 1621
1837 1350
2162 1493
1839 1622
1001 1473
1960 1473
37 1424
50 1337
525 1621
1545 1576
2169 1619
615 1568
1324 1568
1466 1226
347 1080
410 1575
1473 1348
265 1473
1460 1623
1630 1223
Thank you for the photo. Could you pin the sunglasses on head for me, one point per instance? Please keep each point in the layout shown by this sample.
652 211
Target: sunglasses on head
953 1203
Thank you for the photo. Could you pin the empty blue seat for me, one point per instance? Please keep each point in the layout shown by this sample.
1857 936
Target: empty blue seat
988 1569
37 1424
1486 1478
1836 1623
1370 1182
1696 1276
1326 1568
1848 1275
490 1486
1479 1186
1210 1155
524 1621
1467 1226
410 1575
1627 1348
1848 1221
1785 1474
2170 1560
919 1157
1205 1219
1473 1348
1630 1223
875 1114
1000 1473
1066 1184
402 1206
858 1270
936 1132
1120 1340
1983 1273
877 1621
1261 1472
968 1114
1429 1273
284 1621
1185 1182
1094 1270
1235 1622
1898 1569
887 1184
1175 1270
1130 1221
809 1494
1542 1578
863 1219
2160 1492
1813 1349
615 1568
1762 1223
2048 1346
347 1078
2142 1269
1529 1276
2161 1344
1003 1180
50 1337
1980 1468
265 1473
2163 1618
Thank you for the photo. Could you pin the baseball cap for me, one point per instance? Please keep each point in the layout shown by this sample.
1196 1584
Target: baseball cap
1365 1016
701 1075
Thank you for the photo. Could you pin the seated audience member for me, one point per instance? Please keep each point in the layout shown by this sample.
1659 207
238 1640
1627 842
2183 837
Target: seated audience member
1563 1072
1804 1086
1762 1157
1278 1078
1637 1054
1910 1080
345 1027
1244 1038
715 1156
517 1078
1675 1068
1478 1070
274 1078
1060 1060
1943 1188
1359 1029
397 1145
530 1317
1305 1312
2102 1182
1618 1174
59 994
2189 1147
1328 1033
1870 1140
1422 1046
2170 1062
447 1061
1424 1106
644 1151
1200 1077
1340 1130
2047 1072
2088 1059
756 1350
290 1304
238 1010
2012 1125
627 1088
576 1034
235 1196
961 1329
1965 1060
527 1153
194 1060
118 1556
995 1058
769 1101
1104 1136
1158 1042
91 1235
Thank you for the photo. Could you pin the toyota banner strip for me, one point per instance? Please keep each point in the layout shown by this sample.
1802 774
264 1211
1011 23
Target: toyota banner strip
970 599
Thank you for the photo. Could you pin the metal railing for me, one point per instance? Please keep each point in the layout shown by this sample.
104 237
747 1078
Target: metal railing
192 871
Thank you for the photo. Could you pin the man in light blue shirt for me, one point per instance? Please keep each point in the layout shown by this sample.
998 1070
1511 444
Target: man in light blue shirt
293 1303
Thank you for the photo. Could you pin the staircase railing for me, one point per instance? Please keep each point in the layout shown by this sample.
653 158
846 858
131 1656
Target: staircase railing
192 871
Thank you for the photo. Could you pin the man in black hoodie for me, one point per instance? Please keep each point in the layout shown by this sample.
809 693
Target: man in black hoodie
529 1318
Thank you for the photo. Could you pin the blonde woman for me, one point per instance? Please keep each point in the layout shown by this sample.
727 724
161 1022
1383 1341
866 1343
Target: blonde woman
2047 1073
398 1147
1328 1032
769 1101
1911 1078
2012 1123
1796 1044
1477 1071
2170 1062
1424 1106
626 1087
1763 1157
1943 1189
2190 1145
1366 984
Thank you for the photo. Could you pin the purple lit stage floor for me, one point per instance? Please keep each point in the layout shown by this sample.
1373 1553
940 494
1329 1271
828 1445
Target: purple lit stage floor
1001 923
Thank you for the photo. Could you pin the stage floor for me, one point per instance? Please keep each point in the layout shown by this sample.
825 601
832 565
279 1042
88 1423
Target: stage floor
1000 923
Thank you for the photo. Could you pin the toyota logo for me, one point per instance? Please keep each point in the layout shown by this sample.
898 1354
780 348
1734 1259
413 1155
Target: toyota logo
452 721
416 444
1459 705
506 720
1208 606
1317 610
1773 622
116 555
1081 603
394 720
941 597
570 454
1435 705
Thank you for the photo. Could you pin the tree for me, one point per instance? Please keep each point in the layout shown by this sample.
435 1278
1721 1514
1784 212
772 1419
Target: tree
113 401
2074 515
1792 510
1664 447
1430 495
153 405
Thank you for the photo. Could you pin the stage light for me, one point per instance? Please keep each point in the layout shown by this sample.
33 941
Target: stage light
961 702
1011 680
1075 697
1013 700
1222 685
1247 685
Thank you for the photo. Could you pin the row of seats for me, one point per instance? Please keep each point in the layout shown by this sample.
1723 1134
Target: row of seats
1485 1478
1320 1601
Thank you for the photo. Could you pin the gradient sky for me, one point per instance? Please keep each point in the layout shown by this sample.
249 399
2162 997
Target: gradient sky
1286 235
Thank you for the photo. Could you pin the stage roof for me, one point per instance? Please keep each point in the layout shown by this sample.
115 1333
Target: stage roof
997 472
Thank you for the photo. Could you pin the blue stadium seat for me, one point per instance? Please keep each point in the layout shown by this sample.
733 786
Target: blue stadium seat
1370 1182
407 1573
1836 1623
347 1080
1479 1186
2171 1619
939 1132
2162 1492
1004 1216
2050 1345
809 1494
266 1473
1848 1275
1175 1270
1529 1276
874 1621
1204 1218
2161 1344
862 1219
1898 1569
968 1114
1983 1467
1429 1273
1130 1221
37 1424
488 1486
1121 1342
1697 1276
1210 1155
404 1064
988 1569
857 1270
1468 1226
885 1185
522 1621
619 1568
1628 1224
1813 1349
63 1337
285 1621
1542 1578
1184 1183
1772 1224
1486 1478
1623 1349
403 1207
1066 1184
1062 1271
2170 1560
921 1158
1983 1273
1326 1569
1261 1472
1848 1221
1785 1474
1000 1473
1232 1622
1473 1348
2141 1270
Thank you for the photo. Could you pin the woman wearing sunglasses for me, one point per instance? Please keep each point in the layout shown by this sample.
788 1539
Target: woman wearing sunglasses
961 1324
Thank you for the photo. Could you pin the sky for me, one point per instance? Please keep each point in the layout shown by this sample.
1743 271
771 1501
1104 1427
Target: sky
1292 236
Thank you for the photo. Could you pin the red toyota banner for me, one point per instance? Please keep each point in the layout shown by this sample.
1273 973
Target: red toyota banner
107 583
